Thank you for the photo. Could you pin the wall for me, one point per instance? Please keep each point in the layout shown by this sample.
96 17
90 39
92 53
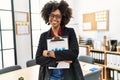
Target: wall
86 6
23 42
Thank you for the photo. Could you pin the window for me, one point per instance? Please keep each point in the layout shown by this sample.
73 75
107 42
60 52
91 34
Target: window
7 50
38 25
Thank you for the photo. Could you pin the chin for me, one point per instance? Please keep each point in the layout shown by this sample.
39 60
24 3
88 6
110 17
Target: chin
55 26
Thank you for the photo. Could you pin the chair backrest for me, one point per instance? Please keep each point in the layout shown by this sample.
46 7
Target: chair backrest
10 68
30 63
95 75
87 59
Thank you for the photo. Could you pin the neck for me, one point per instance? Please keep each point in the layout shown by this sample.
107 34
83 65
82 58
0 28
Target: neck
55 30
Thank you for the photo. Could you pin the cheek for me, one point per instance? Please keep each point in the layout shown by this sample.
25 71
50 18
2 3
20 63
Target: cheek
60 21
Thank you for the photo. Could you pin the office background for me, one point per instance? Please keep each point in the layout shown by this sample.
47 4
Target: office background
17 49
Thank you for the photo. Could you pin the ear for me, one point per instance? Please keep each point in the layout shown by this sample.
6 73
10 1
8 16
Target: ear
48 23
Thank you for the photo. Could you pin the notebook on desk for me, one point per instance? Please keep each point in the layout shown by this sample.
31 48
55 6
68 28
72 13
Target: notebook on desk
93 69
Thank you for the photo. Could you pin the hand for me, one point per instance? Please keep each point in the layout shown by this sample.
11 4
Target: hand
45 53
51 54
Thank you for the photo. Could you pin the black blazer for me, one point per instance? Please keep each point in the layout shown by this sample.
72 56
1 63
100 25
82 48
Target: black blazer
71 54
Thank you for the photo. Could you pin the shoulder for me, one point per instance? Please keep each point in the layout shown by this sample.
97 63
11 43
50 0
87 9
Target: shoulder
44 34
71 30
68 29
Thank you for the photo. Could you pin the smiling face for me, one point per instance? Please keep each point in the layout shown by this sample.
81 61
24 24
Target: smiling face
55 18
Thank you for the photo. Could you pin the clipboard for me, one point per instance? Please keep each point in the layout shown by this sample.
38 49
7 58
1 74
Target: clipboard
57 43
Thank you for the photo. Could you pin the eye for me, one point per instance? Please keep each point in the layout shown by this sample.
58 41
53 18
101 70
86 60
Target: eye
57 16
52 15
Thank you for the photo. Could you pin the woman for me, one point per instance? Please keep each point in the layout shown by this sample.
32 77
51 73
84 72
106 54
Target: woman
58 15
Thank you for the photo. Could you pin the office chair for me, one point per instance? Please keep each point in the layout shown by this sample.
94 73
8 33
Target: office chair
30 63
94 75
10 68
87 59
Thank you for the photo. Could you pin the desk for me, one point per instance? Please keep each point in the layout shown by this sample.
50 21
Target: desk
31 73
87 66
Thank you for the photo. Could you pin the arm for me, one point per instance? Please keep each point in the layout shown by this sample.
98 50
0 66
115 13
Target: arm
52 54
41 57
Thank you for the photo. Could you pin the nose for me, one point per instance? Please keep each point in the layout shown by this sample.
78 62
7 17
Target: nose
54 17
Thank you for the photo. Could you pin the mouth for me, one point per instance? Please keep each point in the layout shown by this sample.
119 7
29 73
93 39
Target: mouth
54 22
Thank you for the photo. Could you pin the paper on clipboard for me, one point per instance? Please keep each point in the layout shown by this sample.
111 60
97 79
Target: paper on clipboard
58 45
61 65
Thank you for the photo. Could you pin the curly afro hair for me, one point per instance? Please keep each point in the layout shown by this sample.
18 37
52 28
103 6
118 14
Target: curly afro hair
51 6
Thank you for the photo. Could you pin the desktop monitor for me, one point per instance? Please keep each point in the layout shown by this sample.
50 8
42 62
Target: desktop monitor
113 45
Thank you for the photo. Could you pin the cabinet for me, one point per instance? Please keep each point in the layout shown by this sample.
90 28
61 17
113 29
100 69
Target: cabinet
112 65
100 59
110 61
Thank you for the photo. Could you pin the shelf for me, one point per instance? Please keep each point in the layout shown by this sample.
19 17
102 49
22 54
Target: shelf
102 65
81 45
109 67
105 73
113 52
97 50
106 68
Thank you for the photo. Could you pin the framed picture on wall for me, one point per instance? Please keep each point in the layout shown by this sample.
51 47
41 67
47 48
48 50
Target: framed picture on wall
22 28
21 16
96 21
